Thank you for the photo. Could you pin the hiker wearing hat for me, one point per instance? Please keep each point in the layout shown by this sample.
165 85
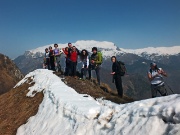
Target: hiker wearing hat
155 76
95 62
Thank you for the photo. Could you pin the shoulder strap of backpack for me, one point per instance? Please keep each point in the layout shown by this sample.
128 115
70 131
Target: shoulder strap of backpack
150 70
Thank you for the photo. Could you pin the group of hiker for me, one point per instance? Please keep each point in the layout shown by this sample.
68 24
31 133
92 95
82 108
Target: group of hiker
93 62
52 58
89 63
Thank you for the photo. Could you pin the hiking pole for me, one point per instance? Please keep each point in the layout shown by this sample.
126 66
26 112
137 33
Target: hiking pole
169 87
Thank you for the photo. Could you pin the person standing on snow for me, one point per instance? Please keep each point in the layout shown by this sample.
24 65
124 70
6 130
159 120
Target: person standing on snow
116 72
155 76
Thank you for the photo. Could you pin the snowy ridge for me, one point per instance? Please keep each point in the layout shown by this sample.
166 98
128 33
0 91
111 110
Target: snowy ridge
65 112
109 49
155 50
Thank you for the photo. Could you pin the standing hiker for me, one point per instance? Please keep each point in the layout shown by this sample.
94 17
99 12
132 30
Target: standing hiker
57 54
69 58
73 61
155 76
95 63
65 50
85 63
116 72
51 54
47 59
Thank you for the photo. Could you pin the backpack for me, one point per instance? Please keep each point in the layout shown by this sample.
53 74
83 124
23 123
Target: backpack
100 55
122 68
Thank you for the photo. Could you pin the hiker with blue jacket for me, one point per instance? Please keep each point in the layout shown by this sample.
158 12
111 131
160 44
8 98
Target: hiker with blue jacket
117 73
155 76
95 63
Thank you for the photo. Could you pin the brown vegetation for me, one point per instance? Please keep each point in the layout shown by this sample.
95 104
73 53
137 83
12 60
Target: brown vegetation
91 88
16 108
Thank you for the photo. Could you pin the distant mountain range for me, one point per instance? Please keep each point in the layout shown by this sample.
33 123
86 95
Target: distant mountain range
108 49
137 62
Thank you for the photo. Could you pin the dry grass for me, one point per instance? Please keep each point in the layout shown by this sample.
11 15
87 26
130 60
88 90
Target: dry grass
16 108
91 88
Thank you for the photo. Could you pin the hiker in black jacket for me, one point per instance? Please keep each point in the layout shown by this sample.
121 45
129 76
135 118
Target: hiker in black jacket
116 72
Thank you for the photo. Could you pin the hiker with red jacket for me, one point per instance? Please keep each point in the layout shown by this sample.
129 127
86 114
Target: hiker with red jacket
85 63
116 72
73 60
69 58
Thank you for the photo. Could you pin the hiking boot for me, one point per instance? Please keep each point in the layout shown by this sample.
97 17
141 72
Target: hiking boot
121 96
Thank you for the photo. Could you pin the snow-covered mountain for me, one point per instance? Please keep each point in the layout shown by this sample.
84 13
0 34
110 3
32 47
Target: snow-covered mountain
65 112
109 49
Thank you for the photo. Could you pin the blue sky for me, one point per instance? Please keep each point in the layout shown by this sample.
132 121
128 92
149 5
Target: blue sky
27 24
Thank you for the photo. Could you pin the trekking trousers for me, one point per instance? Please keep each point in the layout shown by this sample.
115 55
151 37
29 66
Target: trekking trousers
52 63
97 70
48 63
161 89
84 72
57 63
118 83
73 68
68 67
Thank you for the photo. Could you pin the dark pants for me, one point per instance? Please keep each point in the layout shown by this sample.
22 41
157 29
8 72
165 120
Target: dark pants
48 63
161 89
118 83
73 68
84 73
97 70
68 67
52 63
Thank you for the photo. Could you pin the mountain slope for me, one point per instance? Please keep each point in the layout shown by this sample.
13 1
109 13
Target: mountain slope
64 111
16 108
10 74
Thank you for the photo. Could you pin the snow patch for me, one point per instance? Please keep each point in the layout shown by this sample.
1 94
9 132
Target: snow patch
64 111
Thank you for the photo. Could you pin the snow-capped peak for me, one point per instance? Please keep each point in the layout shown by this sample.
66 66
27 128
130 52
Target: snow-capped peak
155 50
108 49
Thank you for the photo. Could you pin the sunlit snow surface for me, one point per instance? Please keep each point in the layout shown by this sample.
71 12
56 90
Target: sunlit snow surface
109 49
65 112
